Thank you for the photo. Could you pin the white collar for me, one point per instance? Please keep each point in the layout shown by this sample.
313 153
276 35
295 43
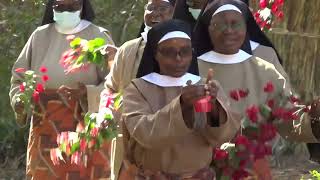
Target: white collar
168 81
81 26
144 36
254 45
214 57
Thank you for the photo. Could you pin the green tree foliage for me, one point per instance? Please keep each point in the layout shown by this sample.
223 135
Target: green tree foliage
18 19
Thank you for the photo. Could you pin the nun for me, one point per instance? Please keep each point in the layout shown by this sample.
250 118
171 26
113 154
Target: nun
126 63
162 140
226 44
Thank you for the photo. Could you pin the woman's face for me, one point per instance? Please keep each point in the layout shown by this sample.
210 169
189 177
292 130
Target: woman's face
67 5
227 31
196 4
157 11
174 56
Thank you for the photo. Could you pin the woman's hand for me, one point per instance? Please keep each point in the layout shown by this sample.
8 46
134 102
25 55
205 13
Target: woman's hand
73 94
110 51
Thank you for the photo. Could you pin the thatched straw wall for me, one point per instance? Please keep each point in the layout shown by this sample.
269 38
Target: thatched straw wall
297 39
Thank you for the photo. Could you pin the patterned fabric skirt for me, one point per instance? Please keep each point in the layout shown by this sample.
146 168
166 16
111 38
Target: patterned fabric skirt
59 117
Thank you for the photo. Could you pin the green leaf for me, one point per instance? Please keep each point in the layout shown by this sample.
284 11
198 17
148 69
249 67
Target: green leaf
75 43
265 110
108 117
75 147
245 123
118 101
87 119
80 60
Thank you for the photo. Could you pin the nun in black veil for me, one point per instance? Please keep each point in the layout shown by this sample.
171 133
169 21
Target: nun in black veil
225 39
161 139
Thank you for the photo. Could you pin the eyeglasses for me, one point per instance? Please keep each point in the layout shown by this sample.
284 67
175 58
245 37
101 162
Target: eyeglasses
77 5
234 26
158 8
172 52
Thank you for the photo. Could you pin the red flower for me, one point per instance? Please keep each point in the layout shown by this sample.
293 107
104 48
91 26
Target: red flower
280 15
256 14
294 99
76 158
83 145
252 113
279 2
20 70
243 163
43 69
220 154
279 113
274 8
243 93
45 78
263 4
262 150
242 142
271 103
239 174
268 88
235 95
268 132
39 88
36 97
94 132
109 101
22 88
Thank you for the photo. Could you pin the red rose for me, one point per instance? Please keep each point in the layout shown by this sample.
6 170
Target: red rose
239 174
43 69
45 78
294 99
83 145
263 4
94 132
20 70
279 2
279 113
268 88
242 142
270 103
256 14
274 8
252 113
220 154
268 132
235 95
243 93
280 14
22 88
36 97
40 88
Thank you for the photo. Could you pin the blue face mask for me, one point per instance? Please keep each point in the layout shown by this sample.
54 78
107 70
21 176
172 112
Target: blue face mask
67 20
195 13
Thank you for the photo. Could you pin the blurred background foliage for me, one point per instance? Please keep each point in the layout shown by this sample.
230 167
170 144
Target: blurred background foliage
18 19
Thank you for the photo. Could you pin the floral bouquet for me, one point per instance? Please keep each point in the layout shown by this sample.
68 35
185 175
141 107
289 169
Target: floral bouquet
89 136
247 155
82 53
30 88
269 11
